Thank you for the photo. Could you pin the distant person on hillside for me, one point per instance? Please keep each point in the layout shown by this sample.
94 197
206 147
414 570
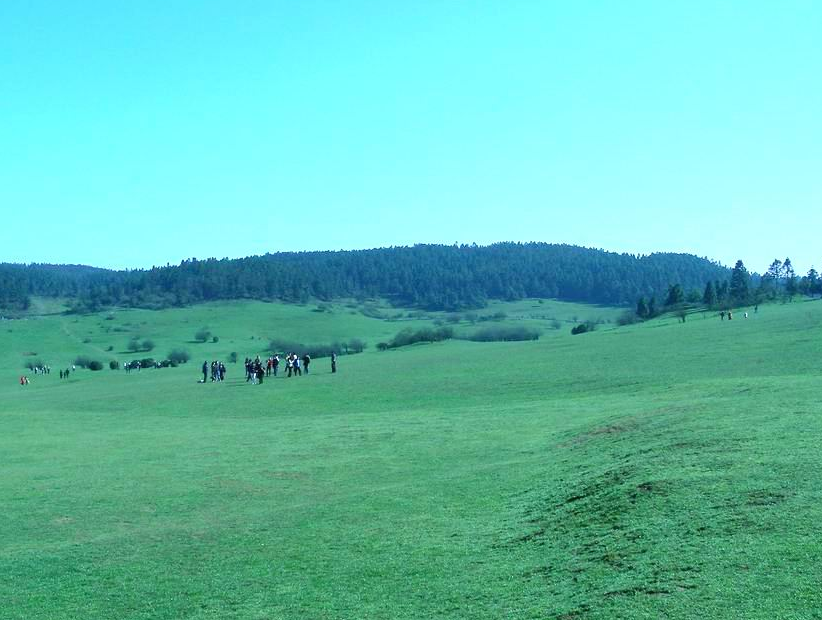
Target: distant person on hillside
205 371
275 364
221 370
730 315
306 362
22 380
756 308
333 362
289 365
61 373
722 315
297 369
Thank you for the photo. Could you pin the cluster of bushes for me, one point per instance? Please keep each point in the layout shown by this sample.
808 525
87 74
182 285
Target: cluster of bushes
629 317
146 362
354 345
411 336
204 334
135 344
178 356
84 361
149 362
587 326
372 312
473 317
504 334
32 364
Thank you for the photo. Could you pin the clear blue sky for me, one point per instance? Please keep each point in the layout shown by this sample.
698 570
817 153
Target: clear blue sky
140 133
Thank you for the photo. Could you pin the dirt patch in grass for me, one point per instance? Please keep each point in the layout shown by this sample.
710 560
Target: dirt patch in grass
617 428
284 475
767 497
656 487
62 520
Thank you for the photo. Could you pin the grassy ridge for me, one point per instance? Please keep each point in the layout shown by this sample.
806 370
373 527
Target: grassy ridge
656 470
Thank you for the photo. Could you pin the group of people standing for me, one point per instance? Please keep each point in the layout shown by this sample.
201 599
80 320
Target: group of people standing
217 371
46 370
256 369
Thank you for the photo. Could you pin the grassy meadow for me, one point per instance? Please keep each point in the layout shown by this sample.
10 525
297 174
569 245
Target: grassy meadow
658 470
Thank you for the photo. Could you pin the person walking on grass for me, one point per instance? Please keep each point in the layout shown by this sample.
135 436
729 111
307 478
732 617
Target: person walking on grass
333 363
306 362
275 364
205 371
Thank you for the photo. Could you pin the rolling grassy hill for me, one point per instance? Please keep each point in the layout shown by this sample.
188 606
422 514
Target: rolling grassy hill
661 470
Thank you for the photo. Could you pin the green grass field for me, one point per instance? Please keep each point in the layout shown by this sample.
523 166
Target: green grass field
661 470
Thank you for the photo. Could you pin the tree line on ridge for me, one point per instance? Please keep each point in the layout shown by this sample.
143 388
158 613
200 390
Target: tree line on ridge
432 277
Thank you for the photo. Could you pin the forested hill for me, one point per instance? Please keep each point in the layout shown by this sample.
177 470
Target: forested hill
427 276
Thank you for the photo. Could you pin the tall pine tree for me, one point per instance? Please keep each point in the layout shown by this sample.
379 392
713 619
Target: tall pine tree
709 296
740 284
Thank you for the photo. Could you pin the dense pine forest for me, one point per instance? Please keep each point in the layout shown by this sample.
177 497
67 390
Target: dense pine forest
435 277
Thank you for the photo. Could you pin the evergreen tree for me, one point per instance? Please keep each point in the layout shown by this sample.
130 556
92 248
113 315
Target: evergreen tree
790 279
739 288
675 295
769 284
642 308
812 281
722 292
709 296
652 307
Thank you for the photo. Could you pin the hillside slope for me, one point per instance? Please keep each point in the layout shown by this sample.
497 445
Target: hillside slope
657 470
